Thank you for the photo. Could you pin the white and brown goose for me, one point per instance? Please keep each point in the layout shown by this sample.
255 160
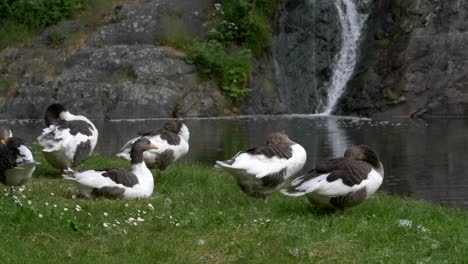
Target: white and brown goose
68 140
262 170
343 182
172 140
116 182
16 162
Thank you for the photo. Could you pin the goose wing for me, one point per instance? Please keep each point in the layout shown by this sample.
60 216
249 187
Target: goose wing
7 158
333 178
260 161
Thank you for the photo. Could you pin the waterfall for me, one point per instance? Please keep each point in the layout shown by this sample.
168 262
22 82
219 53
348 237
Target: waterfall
351 25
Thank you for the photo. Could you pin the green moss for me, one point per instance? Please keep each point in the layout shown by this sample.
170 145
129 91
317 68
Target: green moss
393 95
385 43
7 85
174 31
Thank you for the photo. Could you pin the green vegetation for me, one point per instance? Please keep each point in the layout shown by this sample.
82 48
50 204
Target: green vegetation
199 215
393 95
232 70
21 19
7 85
236 30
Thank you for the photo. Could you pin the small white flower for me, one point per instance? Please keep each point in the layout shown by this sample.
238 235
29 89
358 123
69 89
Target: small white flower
52 194
151 206
294 252
40 215
15 197
73 196
55 206
423 228
106 214
177 224
201 242
126 205
139 219
405 223
29 202
65 209
106 225
46 204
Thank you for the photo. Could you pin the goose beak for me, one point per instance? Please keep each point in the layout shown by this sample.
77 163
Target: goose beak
153 146
2 141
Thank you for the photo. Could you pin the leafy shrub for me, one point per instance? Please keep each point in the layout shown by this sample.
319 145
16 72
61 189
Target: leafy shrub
237 29
30 16
243 22
232 70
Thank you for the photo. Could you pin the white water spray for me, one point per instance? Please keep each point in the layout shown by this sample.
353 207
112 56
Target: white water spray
351 25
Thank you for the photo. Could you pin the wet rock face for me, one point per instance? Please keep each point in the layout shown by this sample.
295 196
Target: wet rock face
414 61
294 77
119 72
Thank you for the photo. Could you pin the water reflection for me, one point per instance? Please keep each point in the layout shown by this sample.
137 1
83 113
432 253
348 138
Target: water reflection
426 161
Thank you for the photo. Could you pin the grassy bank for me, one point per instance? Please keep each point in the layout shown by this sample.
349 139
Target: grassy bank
199 215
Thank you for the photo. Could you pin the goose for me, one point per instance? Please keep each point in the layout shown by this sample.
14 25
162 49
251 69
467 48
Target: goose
343 182
115 182
5 133
172 141
16 162
68 140
262 170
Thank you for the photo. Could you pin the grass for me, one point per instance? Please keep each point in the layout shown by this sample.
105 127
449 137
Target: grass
16 28
199 215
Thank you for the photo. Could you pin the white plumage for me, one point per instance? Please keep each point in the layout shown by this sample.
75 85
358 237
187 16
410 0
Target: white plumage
69 139
263 170
341 183
172 141
118 183
16 163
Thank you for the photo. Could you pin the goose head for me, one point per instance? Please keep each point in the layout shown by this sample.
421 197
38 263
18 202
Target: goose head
278 138
14 143
53 113
366 154
141 145
177 127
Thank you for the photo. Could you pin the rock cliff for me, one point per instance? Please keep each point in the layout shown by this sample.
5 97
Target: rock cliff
115 71
414 61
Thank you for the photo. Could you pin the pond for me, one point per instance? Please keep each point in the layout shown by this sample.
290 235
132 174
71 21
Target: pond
424 160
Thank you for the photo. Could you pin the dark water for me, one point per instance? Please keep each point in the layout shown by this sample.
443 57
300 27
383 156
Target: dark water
425 160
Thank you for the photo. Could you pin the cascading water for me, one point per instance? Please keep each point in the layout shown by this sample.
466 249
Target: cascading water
352 23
